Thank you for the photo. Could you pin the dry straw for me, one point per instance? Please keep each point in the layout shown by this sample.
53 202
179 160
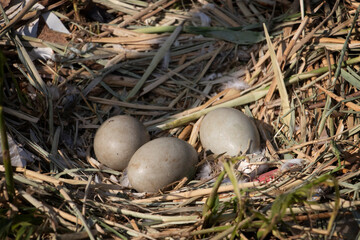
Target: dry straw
169 63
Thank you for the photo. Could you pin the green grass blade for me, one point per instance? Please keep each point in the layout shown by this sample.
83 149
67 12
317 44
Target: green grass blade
157 29
4 141
351 77
211 200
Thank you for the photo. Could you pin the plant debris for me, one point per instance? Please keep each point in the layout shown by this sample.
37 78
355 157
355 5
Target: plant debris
67 66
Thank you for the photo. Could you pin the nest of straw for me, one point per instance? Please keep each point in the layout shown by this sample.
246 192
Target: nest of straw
294 67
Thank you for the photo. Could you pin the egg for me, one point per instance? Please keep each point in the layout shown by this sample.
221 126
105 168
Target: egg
160 162
228 130
117 140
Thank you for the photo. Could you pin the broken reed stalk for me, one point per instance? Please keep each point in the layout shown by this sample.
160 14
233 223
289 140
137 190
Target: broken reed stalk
4 141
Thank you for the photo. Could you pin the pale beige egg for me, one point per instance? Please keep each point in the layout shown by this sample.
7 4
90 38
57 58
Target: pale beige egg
228 130
161 162
117 140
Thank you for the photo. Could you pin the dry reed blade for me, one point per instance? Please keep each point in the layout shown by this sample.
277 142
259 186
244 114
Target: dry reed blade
77 211
248 98
279 79
337 74
142 13
163 78
155 61
220 46
311 34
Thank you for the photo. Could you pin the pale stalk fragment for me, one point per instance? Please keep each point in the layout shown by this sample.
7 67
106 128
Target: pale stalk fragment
285 105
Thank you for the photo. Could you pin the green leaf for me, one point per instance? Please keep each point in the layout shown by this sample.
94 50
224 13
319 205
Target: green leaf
155 30
351 77
243 37
286 200
5 226
25 229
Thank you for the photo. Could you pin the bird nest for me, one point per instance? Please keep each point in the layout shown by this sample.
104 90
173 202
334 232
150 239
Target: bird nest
67 66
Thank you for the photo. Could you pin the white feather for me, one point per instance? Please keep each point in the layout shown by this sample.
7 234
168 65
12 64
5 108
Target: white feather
236 84
205 20
290 164
204 172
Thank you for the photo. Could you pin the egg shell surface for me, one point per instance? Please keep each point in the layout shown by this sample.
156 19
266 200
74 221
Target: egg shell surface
228 130
117 139
161 162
